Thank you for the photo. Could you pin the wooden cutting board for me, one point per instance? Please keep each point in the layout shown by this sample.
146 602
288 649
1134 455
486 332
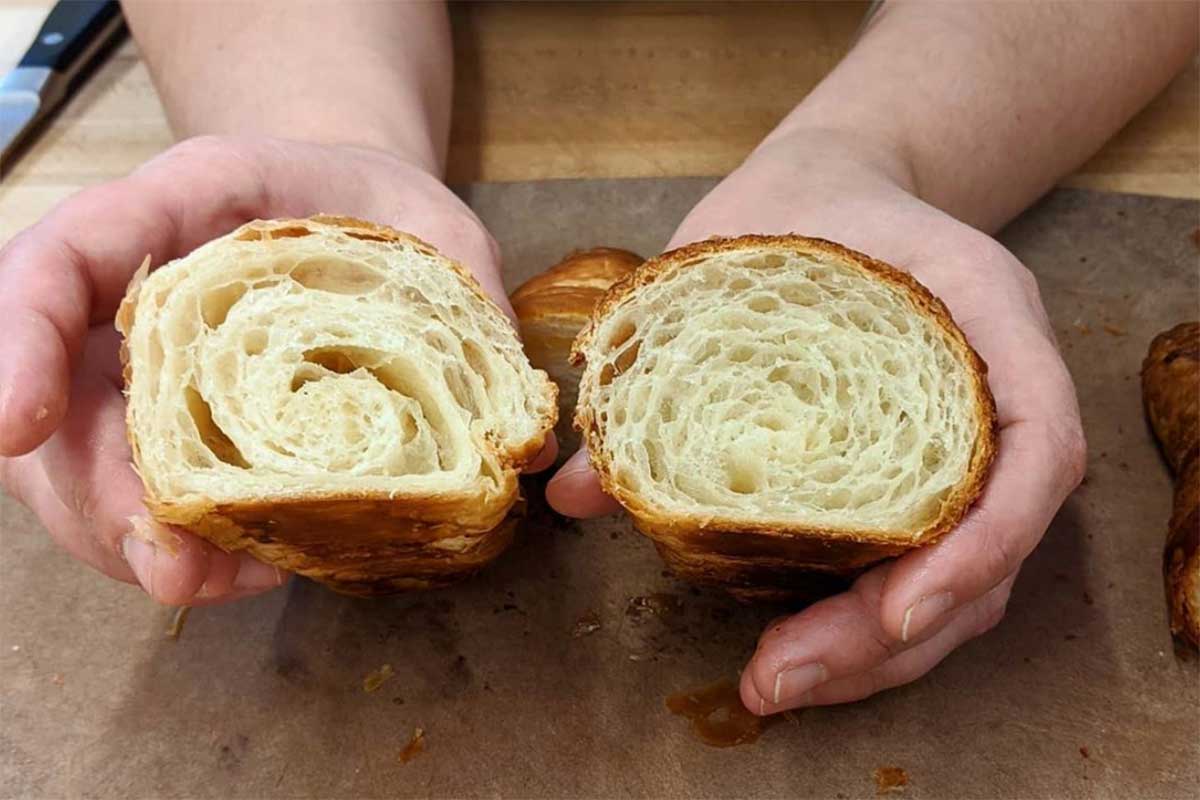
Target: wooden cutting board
1077 694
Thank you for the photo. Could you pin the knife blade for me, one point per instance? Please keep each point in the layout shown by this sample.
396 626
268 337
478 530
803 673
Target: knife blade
75 33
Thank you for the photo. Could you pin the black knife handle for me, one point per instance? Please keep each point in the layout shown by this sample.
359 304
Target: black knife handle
70 28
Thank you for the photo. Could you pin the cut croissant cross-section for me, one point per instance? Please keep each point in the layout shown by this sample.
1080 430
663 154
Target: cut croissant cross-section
766 405
333 396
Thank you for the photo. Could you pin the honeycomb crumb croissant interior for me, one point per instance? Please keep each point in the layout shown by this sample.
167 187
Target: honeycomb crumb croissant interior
766 406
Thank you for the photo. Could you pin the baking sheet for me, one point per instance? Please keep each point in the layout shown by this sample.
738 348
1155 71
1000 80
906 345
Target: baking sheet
265 698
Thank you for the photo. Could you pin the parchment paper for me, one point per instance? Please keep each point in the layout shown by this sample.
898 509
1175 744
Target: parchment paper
264 698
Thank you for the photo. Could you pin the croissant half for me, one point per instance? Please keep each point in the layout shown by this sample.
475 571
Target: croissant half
334 397
767 406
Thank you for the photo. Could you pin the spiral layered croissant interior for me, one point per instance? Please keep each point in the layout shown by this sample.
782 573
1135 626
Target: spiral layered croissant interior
359 362
779 388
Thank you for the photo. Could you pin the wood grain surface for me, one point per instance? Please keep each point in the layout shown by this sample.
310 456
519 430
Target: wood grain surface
561 90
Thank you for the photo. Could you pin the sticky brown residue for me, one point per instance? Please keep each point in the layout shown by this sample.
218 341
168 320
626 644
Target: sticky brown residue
586 625
377 678
175 628
415 746
1083 751
717 715
1113 330
1196 238
889 780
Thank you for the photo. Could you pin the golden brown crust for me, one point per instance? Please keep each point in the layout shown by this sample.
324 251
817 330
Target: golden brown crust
356 543
553 307
1171 389
368 546
571 287
763 560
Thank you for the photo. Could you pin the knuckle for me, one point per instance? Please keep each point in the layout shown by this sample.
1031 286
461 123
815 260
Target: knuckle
79 497
203 145
12 246
868 595
473 239
472 231
1025 278
991 615
7 481
1070 443
83 501
1001 553
873 682
988 251
207 149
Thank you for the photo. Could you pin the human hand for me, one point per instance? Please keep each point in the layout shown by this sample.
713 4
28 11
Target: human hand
63 447
901 618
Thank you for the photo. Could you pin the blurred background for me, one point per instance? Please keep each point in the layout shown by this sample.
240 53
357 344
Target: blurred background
566 90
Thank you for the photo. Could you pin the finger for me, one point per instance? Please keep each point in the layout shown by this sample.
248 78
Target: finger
235 575
1040 460
87 466
546 456
205 598
187 570
912 663
225 576
575 490
836 638
72 268
25 478
87 470
89 494
34 372
901 664
971 621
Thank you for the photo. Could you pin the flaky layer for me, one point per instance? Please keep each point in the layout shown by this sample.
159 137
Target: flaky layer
299 368
553 306
782 386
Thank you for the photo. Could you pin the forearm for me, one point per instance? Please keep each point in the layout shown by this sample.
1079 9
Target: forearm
373 74
979 109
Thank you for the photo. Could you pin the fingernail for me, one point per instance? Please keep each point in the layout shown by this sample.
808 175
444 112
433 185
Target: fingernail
255 576
140 554
568 470
803 700
792 684
923 613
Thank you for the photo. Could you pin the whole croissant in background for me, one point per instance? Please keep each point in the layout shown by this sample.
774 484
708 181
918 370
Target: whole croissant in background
1171 389
335 397
553 307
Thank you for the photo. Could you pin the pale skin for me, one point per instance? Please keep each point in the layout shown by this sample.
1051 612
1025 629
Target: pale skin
944 122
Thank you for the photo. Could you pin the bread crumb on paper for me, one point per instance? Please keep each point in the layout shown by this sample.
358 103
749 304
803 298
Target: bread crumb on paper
377 678
175 629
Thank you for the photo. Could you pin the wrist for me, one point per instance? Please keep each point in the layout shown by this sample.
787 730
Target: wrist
407 146
839 155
